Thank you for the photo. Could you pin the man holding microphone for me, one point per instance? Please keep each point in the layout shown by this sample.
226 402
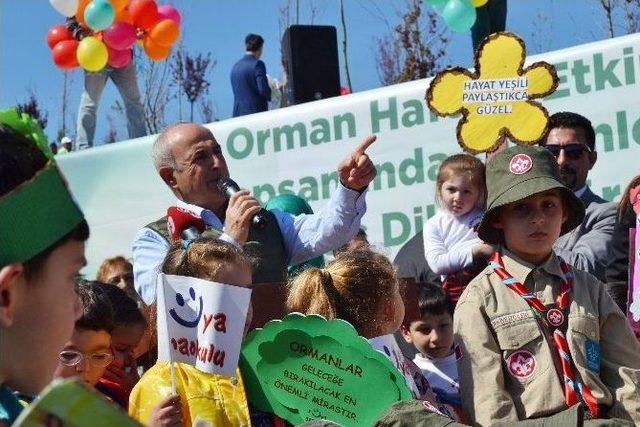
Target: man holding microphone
190 161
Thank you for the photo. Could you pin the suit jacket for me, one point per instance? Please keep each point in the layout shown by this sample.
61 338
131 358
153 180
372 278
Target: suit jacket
586 247
411 262
251 90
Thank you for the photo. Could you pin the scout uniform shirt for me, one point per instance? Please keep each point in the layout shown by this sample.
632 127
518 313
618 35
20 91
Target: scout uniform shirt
508 367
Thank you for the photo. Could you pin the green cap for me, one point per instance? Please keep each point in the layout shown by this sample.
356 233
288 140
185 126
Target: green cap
517 173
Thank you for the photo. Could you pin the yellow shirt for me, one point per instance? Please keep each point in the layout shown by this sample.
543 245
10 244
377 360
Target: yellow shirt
206 399
508 369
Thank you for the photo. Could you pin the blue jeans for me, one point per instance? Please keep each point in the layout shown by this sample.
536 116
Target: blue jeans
125 81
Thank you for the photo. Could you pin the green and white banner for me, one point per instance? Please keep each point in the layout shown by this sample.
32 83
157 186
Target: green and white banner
296 150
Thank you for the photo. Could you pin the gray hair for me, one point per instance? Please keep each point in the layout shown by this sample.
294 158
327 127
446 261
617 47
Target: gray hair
162 154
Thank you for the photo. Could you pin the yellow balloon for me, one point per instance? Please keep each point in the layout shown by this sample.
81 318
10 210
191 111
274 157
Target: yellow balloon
92 54
479 3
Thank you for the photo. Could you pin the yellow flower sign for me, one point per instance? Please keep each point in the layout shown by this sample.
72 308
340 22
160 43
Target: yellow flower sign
495 100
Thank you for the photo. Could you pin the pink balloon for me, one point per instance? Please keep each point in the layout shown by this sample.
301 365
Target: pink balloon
166 11
119 36
119 58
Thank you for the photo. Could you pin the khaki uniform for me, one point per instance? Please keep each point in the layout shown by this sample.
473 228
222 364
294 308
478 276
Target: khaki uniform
508 368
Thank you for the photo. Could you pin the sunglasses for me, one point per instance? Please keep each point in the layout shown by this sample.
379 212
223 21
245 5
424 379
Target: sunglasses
72 358
572 151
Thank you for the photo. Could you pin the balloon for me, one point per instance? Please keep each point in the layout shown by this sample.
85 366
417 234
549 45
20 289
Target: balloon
65 7
479 3
92 54
144 13
155 51
123 16
438 5
56 34
119 36
82 5
459 15
99 15
119 5
64 54
119 58
166 11
165 32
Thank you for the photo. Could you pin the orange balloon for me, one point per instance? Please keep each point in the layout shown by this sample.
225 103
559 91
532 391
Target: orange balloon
82 5
165 32
123 16
119 5
155 51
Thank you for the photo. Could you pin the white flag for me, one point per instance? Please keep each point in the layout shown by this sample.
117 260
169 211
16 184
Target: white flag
201 322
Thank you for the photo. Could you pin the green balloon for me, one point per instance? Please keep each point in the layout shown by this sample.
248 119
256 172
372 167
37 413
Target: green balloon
459 15
438 5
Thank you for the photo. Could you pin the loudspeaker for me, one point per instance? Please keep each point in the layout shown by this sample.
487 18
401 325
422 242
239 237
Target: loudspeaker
310 57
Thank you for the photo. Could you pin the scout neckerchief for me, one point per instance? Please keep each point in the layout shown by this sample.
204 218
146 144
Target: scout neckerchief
553 319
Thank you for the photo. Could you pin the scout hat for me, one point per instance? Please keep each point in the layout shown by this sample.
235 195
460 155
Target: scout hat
40 211
517 173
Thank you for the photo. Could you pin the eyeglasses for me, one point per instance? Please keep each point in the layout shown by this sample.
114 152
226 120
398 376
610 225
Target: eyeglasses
72 358
572 151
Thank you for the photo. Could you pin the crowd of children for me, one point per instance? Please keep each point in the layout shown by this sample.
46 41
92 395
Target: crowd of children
514 333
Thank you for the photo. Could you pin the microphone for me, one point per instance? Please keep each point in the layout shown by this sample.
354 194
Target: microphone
228 187
183 224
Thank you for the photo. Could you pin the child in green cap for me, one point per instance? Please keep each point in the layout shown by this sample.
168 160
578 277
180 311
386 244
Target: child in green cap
42 235
534 334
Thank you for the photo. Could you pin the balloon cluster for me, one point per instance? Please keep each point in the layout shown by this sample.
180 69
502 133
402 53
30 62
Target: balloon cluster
459 15
112 27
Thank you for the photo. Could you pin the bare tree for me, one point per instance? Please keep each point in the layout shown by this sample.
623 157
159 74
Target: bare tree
206 110
192 73
343 24
32 108
415 49
631 16
608 8
156 91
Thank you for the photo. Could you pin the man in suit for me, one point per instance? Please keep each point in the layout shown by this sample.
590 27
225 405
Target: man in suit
251 90
571 139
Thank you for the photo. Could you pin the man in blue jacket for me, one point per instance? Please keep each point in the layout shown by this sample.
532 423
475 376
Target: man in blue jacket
249 80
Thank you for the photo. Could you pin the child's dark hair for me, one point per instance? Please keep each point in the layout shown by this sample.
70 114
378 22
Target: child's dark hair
20 160
462 164
97 312
352 287
433 300
125 309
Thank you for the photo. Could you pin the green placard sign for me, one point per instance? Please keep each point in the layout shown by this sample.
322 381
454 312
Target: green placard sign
304 368
71 404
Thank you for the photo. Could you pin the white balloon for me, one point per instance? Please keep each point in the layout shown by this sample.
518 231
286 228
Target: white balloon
65 7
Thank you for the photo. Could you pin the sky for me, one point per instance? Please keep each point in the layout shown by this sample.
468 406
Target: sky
219 27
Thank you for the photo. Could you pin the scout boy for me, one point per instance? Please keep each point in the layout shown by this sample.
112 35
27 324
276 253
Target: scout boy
537 335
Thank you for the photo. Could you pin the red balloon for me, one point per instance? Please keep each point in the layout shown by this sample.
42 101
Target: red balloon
119 35
119 58
144 13
56 34
64 54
